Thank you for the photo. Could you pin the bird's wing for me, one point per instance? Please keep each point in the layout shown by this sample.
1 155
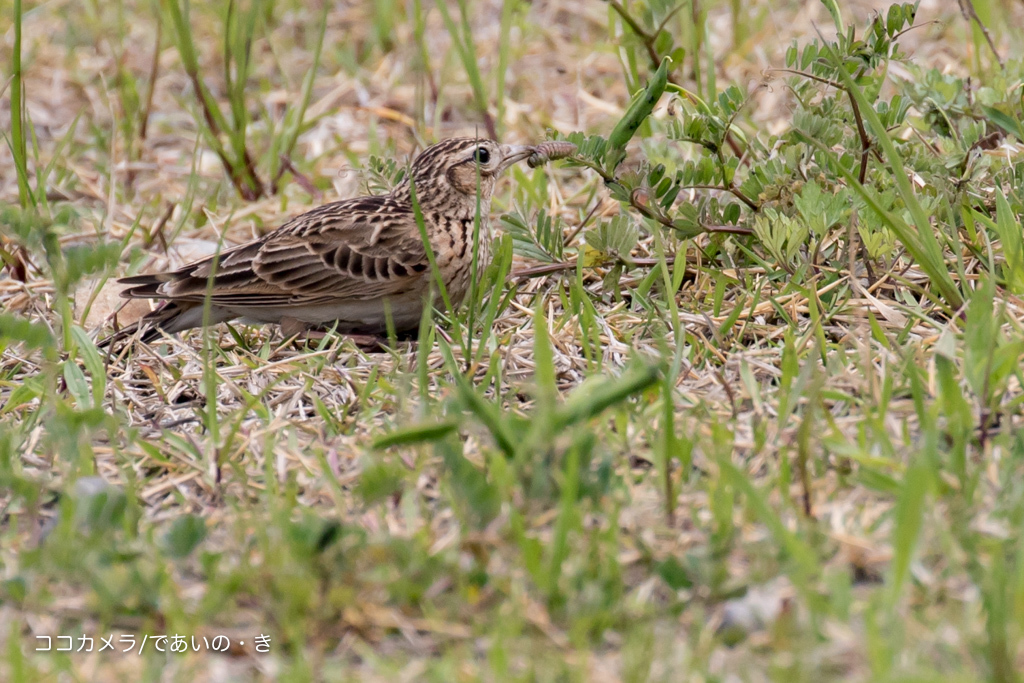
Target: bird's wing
357 249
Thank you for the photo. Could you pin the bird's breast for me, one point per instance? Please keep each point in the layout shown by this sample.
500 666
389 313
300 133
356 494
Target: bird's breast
453 248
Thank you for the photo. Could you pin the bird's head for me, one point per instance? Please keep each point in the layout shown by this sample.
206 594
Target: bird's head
467 167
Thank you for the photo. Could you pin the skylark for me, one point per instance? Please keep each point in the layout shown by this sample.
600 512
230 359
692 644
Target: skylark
340 263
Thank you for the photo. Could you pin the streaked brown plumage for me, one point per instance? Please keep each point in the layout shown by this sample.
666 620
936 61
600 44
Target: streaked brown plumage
341 261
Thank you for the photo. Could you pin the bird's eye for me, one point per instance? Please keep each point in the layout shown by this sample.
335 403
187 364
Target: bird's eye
482 155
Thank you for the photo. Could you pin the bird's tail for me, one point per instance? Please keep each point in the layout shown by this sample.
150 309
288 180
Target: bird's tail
171 316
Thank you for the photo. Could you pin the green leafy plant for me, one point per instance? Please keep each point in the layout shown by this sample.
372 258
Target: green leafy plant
796 192
228 132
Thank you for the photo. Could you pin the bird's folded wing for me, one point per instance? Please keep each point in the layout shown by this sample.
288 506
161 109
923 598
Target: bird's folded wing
327 254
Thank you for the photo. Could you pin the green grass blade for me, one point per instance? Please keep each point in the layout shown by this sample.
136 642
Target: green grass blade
415 434
925 243
595 396
923 246
19 148
462 38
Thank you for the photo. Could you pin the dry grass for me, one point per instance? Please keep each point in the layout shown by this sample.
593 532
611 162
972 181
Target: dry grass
416 575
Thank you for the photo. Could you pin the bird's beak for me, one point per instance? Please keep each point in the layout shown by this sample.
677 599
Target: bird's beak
513 154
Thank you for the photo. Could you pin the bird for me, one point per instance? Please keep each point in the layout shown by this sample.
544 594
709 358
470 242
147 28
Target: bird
348 264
